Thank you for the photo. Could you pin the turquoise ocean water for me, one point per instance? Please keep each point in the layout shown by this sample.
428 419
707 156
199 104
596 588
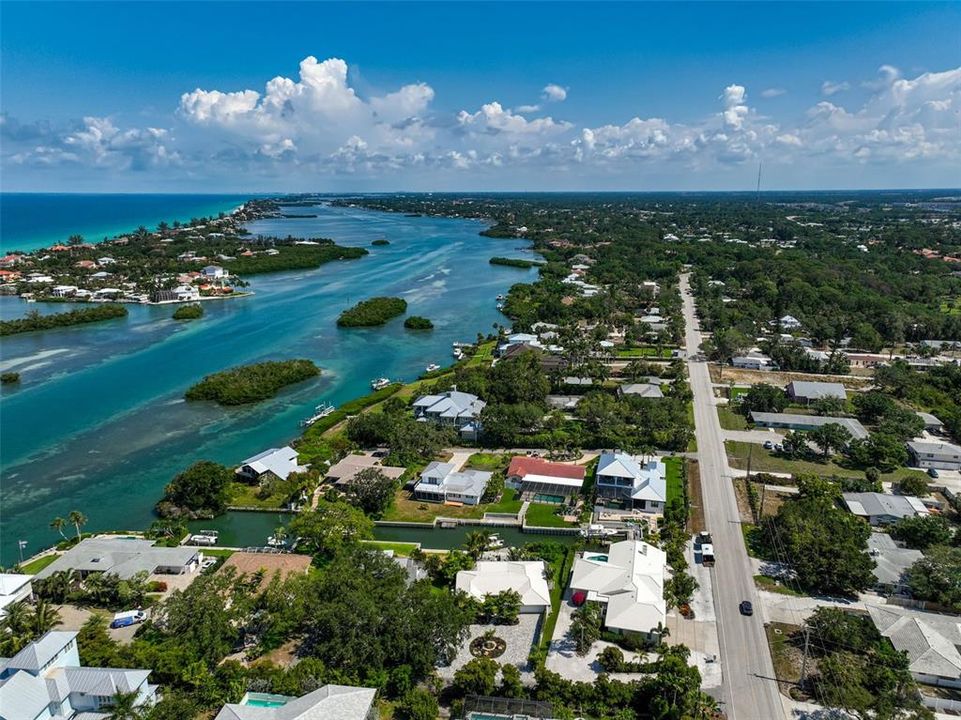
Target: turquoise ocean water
98 423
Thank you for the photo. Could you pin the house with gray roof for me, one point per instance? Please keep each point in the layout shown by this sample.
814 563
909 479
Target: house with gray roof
45 681
931 423
882 509
330 702
458 410
791 421
939 455
644 390
891 563
278 462
124 557
440 482
930 641
640 484
807 392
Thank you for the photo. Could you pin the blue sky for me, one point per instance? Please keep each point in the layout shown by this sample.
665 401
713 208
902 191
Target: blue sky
464 96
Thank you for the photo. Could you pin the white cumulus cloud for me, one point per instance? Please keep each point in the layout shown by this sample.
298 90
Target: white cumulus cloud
554 93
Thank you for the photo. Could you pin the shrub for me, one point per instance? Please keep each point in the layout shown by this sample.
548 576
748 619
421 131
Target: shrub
416 322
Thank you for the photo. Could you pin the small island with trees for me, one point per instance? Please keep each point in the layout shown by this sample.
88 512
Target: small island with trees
380 242
9 378
416 322
33 320
514 262
252 383
372 312
189 312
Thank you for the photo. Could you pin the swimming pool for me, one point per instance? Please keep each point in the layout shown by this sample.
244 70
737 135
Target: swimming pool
596 558
264 700
552 499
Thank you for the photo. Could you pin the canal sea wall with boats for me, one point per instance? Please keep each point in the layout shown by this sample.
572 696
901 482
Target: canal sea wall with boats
99 424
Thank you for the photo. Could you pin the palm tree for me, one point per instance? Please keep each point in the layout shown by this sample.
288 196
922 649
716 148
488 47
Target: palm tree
58 524
77 519
124 706
476 542
15 628
45 618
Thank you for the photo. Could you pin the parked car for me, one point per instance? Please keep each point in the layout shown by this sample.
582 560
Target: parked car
932 473
746 607
768 445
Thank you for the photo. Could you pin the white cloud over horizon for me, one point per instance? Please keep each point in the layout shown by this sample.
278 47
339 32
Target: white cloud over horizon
318 125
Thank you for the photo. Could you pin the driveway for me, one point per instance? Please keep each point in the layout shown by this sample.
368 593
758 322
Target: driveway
519 638
758 436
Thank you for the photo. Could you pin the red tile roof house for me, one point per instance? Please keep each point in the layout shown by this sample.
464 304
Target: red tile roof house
545 481
10 260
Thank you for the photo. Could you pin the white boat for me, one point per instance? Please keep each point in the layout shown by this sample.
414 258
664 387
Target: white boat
322 411
432 367
500 306
276 542
204 537
494 542
379 383
458 354
501 297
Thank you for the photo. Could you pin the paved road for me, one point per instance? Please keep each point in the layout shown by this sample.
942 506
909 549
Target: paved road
748 691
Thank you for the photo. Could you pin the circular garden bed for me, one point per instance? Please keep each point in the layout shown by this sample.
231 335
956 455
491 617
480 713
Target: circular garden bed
489 647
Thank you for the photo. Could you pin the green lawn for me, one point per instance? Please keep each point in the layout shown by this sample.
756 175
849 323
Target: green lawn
406 509
731 420
766 461
401 549
509 503
770 584
491 462
736 392
244 495
484 354
557 593
951 306
643 352
675 477
35 566
543 515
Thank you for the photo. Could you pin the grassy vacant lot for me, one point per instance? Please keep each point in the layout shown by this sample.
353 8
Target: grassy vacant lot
401 549
770 584
35 566
484 354
767 461
543 515
492 462
730 419
244 495
785 654
643 352
675 477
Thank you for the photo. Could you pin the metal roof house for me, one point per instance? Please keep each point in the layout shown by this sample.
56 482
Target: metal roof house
280 462
330 702
939 455
644 390
45 681
891 562
458 410
642 485
491 577
629 581
124 557
881 509
14 588
791 421
440 482
931 642
805 391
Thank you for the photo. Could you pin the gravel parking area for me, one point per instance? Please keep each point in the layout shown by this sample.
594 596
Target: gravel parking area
520 639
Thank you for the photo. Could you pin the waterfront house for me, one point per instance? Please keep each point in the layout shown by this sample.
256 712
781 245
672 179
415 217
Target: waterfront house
440 482
123 556
62 291
807 392
344 472
492 577
9 261
14 588
458 410
45 681
938 455
629 581
792 421
186 293
883 509
639 484
214 272
930 641
276 462
545 481
330 702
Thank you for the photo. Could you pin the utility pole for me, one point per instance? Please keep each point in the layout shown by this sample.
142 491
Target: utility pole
804 662
763 493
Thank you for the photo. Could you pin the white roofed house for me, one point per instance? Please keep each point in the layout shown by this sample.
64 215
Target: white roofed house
931 642
881 509
806 392
628 580
14 588
641 485
938 455
754 361
931 423
214 272
525 578
186 293
330 702
789 322
124 557
45 681
458 410
279 462
440 482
